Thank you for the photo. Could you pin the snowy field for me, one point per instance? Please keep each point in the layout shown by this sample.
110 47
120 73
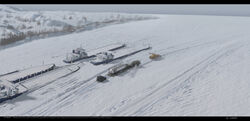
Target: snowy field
204 70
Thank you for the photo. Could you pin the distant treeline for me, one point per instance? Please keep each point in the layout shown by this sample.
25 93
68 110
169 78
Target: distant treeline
11 38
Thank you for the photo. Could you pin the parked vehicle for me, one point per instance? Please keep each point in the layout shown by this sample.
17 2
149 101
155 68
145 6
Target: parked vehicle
122 68
154 56
101 78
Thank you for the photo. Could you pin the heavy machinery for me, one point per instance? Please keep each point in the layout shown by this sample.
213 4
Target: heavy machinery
154 56
118 70
122 68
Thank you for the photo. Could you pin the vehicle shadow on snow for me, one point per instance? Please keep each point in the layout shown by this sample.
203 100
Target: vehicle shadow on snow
131 72
86 60
23 97
158 59
115 62
105 81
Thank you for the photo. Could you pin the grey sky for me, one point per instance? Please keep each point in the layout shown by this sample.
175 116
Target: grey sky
231 10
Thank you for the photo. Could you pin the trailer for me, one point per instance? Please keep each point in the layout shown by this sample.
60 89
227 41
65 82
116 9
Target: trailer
122 68
117 70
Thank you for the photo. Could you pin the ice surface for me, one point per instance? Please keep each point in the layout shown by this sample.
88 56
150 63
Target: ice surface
204 70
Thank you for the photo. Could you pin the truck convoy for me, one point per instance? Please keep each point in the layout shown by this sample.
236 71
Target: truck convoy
117 70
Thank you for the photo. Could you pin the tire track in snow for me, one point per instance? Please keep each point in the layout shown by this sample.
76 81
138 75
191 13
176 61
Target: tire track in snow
67 100
37 88
168 53
56 79
68 92
211 42
185 83
82 83
115 107
199 44
34 78
57 69
174 79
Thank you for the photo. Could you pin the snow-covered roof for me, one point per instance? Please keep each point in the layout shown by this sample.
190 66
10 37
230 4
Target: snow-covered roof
25 72
6 83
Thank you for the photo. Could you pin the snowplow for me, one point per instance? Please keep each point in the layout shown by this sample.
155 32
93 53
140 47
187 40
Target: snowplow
154 56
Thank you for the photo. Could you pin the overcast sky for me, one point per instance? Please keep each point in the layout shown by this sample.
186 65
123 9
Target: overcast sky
231 10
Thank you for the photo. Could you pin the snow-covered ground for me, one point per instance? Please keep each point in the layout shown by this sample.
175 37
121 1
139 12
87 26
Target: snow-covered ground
204 70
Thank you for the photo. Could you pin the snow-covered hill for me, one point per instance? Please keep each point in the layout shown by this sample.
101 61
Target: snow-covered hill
17 24
204 70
